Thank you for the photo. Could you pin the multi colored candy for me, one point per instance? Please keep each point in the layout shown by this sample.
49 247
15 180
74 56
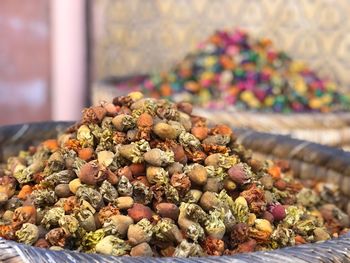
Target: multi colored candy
232 69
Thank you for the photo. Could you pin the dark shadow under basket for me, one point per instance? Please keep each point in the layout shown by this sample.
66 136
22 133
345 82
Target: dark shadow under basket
307 160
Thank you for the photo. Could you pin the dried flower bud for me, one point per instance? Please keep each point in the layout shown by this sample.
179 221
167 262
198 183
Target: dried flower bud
278 212
214 226
293 215
124 202
91 239
111 245
218 139
267 181
108 192
89 174
166 231
308 197
123 122
157 175
192 196
69 224
321 234
105 158
200 132
140 232
209 200
186 249
186 139
216 185
62 190
52 217
197 174
141 193
213 246
165 131
280 184
138 212
28 234
62 177
90 195
57 237
118 225
85 137
124 187
175 168
74 185
24 214
181 182
137 169
157 157
107 212
141 250
179 154
168 210
255 198
135 151
42 243
240 173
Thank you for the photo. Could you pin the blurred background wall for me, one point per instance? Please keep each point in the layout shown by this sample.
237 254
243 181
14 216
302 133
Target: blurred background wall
24 61
140 36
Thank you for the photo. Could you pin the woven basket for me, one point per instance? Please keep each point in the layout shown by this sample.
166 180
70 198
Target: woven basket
307 159
331 129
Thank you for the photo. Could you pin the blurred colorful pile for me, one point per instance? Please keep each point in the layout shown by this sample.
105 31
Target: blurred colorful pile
231 69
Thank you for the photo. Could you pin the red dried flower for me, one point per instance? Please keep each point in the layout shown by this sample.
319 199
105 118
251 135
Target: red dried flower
213 246
255 198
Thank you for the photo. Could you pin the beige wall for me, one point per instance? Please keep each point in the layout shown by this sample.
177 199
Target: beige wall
138 36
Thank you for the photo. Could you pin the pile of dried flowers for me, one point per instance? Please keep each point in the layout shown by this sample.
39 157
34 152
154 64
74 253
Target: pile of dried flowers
145 177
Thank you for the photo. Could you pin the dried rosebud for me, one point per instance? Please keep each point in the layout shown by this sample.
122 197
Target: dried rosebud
239 174
197 174
277 210
57 237
138 212
168 210
141 250
181 182
213 246
111 245
255 198
140 232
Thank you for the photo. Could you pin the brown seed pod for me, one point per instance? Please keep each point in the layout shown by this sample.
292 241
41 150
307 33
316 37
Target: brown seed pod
137 169
62 190
165 131
200 132
198 174
209 201
57 237
141 250
145 120
89 174
179 154
138 212
185 107
124 202
168 210
216 185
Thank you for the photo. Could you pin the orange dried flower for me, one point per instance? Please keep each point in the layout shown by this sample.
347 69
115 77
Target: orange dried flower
73 144
51 144
106 212
24 214
275 171
86 153
200 132
24 192
221 129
